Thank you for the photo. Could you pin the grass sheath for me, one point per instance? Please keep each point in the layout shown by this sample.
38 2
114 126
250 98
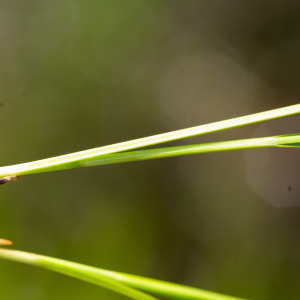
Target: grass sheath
125 284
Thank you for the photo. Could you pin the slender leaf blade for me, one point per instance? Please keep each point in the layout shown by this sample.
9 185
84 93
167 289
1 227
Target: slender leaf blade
65 161
114 280
74 270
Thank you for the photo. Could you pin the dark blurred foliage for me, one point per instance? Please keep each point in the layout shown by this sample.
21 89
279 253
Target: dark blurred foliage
80 74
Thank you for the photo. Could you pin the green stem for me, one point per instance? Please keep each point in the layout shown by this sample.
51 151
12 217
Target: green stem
45 166
181 151
113 280
81 272
74 159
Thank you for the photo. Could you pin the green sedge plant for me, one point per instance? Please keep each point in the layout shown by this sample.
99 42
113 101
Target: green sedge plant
133 286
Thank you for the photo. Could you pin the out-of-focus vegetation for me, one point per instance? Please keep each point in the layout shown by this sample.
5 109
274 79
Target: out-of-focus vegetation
82 74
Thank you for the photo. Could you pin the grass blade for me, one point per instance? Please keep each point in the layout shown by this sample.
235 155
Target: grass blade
277 141
74 270
66 161
119 282
292 140
180 151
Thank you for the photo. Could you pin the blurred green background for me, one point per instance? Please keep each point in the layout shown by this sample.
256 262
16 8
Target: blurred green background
76 75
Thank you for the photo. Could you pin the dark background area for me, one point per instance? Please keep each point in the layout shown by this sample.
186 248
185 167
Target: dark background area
75 75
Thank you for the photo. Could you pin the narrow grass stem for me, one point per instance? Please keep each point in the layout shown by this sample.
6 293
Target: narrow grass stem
73 160
277 141
114 280
181 151
74 270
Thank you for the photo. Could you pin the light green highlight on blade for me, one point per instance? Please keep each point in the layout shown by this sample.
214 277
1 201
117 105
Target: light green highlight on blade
70 160
114 280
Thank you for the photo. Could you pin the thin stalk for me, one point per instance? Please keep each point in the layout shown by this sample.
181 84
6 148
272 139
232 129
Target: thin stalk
110 279
71 269
181 151
65 161
277 141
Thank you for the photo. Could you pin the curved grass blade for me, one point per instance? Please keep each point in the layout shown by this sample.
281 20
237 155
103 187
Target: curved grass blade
66 161
74 270
119 282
